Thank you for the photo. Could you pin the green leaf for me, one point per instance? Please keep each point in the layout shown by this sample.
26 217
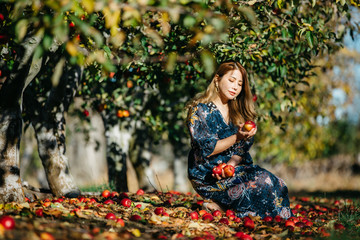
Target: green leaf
47 41
283 70
21 29
310 38
272 68
208 62
189 21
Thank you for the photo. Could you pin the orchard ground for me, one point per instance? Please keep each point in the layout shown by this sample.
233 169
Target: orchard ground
173 215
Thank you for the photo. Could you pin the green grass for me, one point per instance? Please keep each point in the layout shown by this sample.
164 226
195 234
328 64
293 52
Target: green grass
349 217
97 188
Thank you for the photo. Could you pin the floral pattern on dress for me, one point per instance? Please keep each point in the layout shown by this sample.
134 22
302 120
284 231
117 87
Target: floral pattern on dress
252 190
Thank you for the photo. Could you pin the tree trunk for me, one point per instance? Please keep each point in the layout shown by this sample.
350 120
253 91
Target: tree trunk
10 134
140 155
11 121
118 136
48 120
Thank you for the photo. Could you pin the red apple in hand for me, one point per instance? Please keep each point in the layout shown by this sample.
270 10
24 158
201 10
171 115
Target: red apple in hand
229 171
217 170
249 125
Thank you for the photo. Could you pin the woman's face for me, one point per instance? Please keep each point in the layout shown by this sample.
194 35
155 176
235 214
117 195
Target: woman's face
230 85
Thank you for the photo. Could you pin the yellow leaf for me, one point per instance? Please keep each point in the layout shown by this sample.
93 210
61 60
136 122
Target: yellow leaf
88 5
111 18
136 232
21 29
71 48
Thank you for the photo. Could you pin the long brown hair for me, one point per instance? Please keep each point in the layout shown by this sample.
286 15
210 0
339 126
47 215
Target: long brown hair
240 110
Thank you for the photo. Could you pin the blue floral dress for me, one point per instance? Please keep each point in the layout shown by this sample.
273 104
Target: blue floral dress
252 190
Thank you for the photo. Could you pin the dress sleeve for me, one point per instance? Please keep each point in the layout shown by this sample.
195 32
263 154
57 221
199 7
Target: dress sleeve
242 148
202 134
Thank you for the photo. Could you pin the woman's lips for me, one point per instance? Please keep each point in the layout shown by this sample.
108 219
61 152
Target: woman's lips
232 93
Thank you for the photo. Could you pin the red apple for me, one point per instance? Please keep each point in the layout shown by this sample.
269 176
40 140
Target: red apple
114 194
129 84
8 222
224 221
194 215
110 216
140 192
254 97
339 226
217 213
126 113
39 212
229 213
202 212
249 125
309 224
179 235
277 218
135 217
120 221
237 220
222 165
207 217
120 113
289 223
126 202
71 24
267 219
243 236
217 170
109 201
86 113
229 171
159 211
249 223
106 193
1 17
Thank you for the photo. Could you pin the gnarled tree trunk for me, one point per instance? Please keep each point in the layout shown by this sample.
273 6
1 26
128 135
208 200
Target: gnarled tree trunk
48 120
11 90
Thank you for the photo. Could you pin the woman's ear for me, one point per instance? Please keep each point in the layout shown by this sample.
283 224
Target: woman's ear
216 78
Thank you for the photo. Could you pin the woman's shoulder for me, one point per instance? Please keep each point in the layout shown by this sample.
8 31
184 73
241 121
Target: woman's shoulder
209 106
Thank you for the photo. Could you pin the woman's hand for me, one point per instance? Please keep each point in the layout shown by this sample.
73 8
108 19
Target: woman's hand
222 175
244 135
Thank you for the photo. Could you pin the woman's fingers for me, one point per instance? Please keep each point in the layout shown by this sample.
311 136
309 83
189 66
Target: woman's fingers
216 176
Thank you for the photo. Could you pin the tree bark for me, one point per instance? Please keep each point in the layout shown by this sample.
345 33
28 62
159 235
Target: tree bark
10 135
140 155
118 136
48 120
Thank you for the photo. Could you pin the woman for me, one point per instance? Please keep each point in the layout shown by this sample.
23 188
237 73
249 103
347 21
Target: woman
215 121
